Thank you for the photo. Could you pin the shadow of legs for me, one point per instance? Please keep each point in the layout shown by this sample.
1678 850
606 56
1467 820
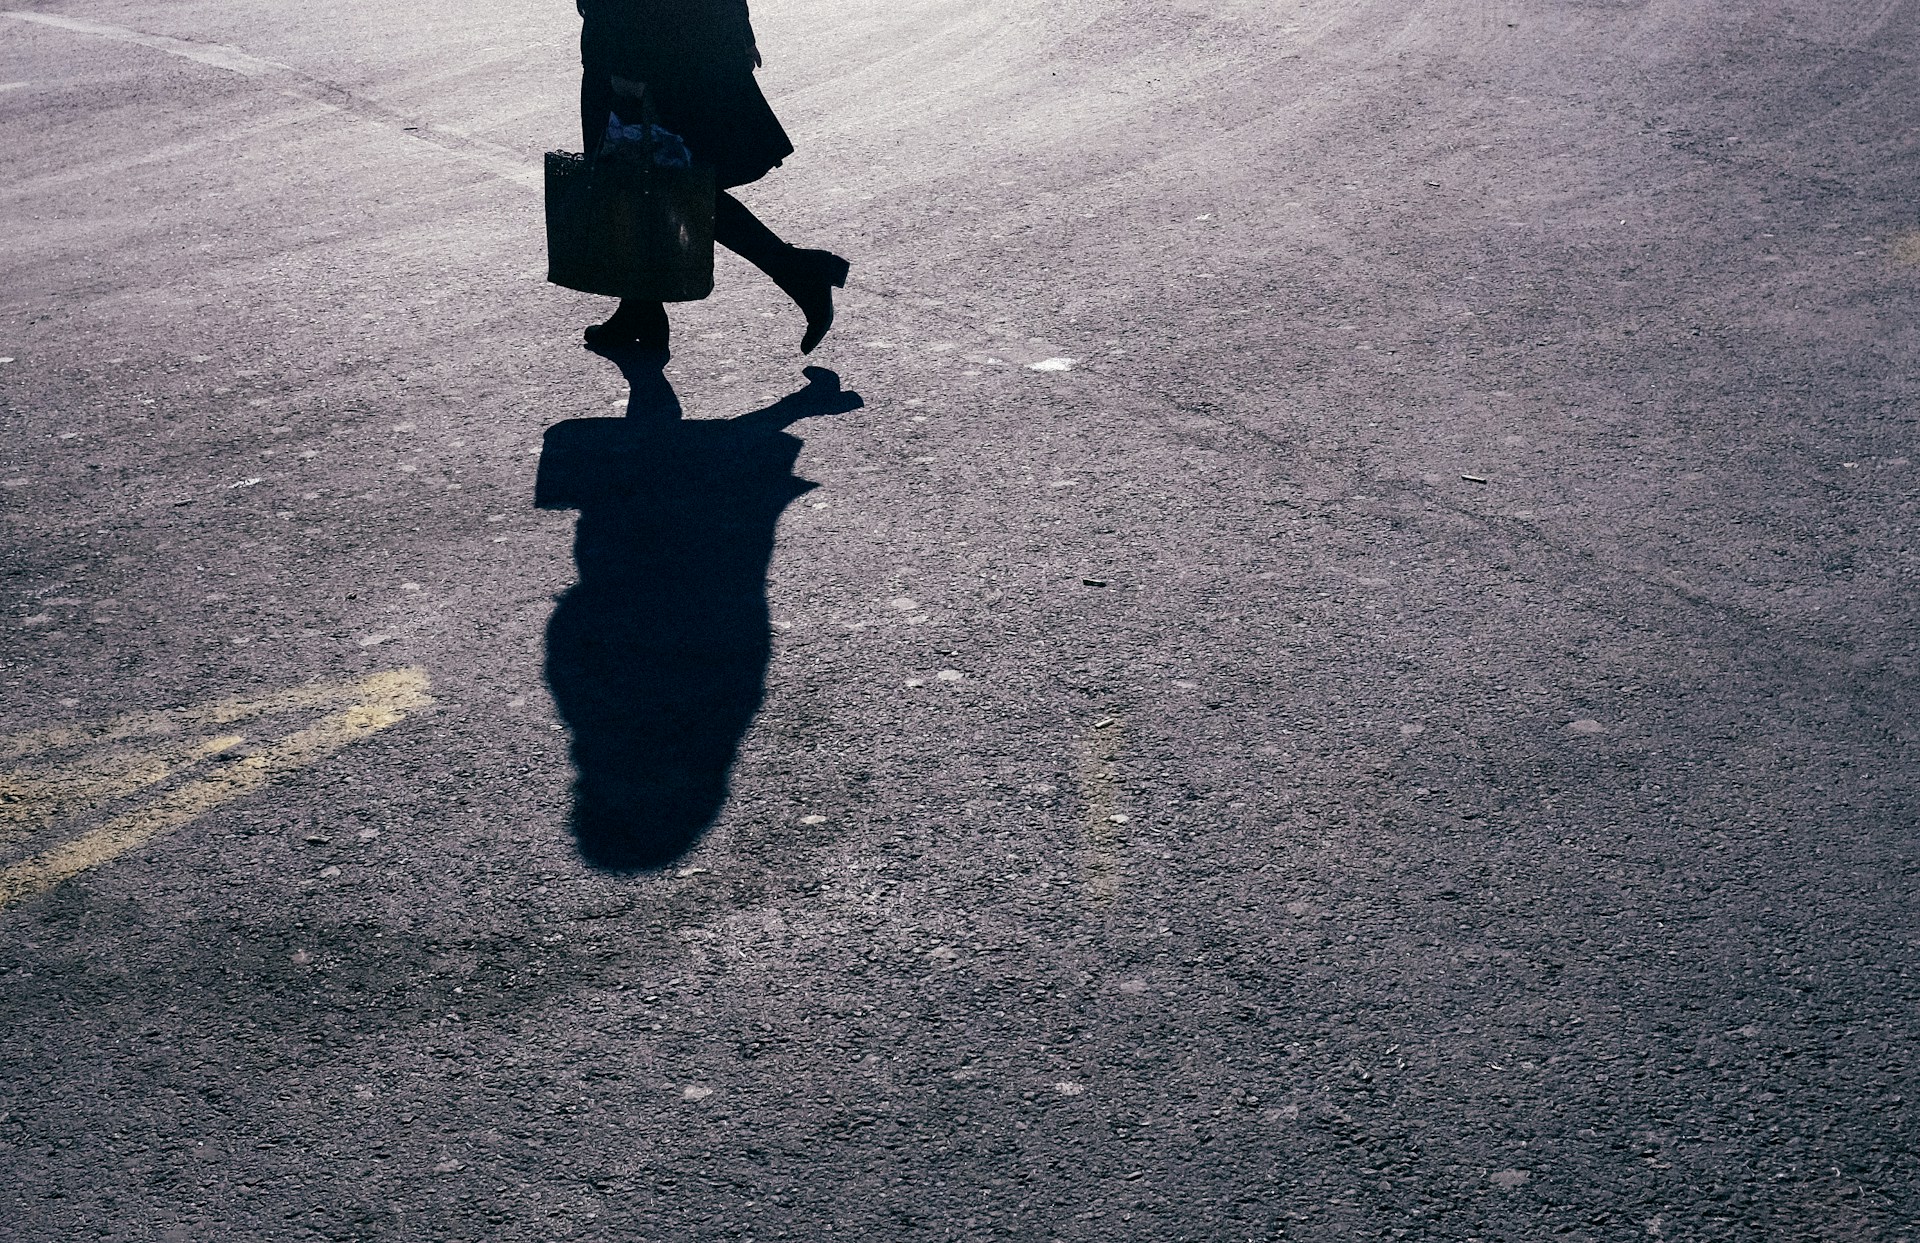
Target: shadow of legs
657 656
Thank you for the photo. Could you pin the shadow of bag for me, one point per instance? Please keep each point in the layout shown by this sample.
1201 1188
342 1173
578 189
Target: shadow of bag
629 228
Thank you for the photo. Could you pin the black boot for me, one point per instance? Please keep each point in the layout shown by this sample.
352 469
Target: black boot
636 325
809 277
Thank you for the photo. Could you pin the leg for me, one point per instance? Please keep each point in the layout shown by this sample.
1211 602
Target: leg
741 232
636 322
809 277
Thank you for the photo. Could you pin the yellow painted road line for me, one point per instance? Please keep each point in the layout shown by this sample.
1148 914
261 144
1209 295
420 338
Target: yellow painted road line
162 724
1099 793
379 701
34 800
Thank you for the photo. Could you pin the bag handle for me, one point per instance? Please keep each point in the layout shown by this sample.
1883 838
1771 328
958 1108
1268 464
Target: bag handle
630 88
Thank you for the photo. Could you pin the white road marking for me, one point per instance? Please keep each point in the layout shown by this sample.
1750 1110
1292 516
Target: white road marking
219 55
499 161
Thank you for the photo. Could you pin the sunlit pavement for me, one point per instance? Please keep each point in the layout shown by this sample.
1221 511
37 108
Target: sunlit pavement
1336 661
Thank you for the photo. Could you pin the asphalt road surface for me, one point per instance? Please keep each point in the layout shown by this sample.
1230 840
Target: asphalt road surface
1329 652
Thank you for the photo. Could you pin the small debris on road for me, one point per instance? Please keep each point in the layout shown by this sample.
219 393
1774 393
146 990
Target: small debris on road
1474 478
1587 727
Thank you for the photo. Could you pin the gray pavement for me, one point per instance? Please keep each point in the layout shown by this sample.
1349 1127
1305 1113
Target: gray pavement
1337 653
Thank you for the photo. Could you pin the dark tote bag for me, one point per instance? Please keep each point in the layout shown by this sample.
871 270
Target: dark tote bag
629 228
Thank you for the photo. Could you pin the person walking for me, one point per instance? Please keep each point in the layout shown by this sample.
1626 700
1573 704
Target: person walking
695 59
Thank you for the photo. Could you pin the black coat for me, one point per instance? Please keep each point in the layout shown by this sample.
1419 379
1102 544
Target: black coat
696 57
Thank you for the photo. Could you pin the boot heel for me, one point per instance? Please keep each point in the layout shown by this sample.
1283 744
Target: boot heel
836 270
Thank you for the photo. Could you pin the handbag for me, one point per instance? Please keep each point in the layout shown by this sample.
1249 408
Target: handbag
633 220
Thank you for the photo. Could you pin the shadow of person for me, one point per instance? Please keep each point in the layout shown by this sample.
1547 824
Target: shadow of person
657 656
